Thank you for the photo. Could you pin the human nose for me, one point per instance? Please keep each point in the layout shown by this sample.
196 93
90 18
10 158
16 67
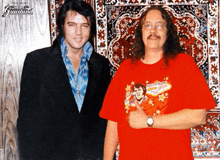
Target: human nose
78 30
153 28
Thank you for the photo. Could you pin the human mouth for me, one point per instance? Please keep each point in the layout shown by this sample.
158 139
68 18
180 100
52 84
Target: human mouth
153 37
78 39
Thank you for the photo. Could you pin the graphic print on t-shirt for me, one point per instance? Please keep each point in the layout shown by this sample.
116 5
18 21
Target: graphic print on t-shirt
152 97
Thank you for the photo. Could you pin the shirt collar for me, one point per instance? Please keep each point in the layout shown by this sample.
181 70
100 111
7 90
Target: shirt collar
87 49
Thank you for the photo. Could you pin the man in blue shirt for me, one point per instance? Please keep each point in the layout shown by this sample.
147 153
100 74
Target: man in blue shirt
62 90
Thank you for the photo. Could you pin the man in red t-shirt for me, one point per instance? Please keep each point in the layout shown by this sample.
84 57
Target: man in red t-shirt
176 99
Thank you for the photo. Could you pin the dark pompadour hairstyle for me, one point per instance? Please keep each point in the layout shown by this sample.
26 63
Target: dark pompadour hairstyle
139 85
172 45
80 7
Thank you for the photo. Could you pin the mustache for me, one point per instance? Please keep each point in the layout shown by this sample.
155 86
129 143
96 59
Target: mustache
153 35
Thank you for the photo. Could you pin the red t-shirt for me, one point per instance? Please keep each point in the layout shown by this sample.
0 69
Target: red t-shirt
159 90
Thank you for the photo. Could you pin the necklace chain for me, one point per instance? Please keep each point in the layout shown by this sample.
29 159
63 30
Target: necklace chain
78 87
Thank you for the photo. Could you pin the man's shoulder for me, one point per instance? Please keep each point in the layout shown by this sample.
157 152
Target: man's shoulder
40 52
99 57
38 56
182 59
127 64
183 56
182 64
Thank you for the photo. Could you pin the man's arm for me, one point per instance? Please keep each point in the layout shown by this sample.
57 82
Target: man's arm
111 140
28 114
183 119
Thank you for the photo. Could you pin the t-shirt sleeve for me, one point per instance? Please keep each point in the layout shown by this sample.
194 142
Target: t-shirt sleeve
197 94
113 102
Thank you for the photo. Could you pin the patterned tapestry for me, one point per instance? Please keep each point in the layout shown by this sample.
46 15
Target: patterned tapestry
197 24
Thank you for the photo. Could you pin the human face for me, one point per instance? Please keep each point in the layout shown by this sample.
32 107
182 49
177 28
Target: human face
76 31
139 92
154 31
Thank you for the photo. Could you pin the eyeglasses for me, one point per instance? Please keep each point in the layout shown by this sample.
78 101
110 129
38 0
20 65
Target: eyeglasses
158 26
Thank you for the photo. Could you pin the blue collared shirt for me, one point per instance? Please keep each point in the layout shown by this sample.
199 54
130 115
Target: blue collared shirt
81 81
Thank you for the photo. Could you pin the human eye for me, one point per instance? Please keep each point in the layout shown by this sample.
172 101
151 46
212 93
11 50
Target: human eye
147 26
71 24
160 26
85 25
